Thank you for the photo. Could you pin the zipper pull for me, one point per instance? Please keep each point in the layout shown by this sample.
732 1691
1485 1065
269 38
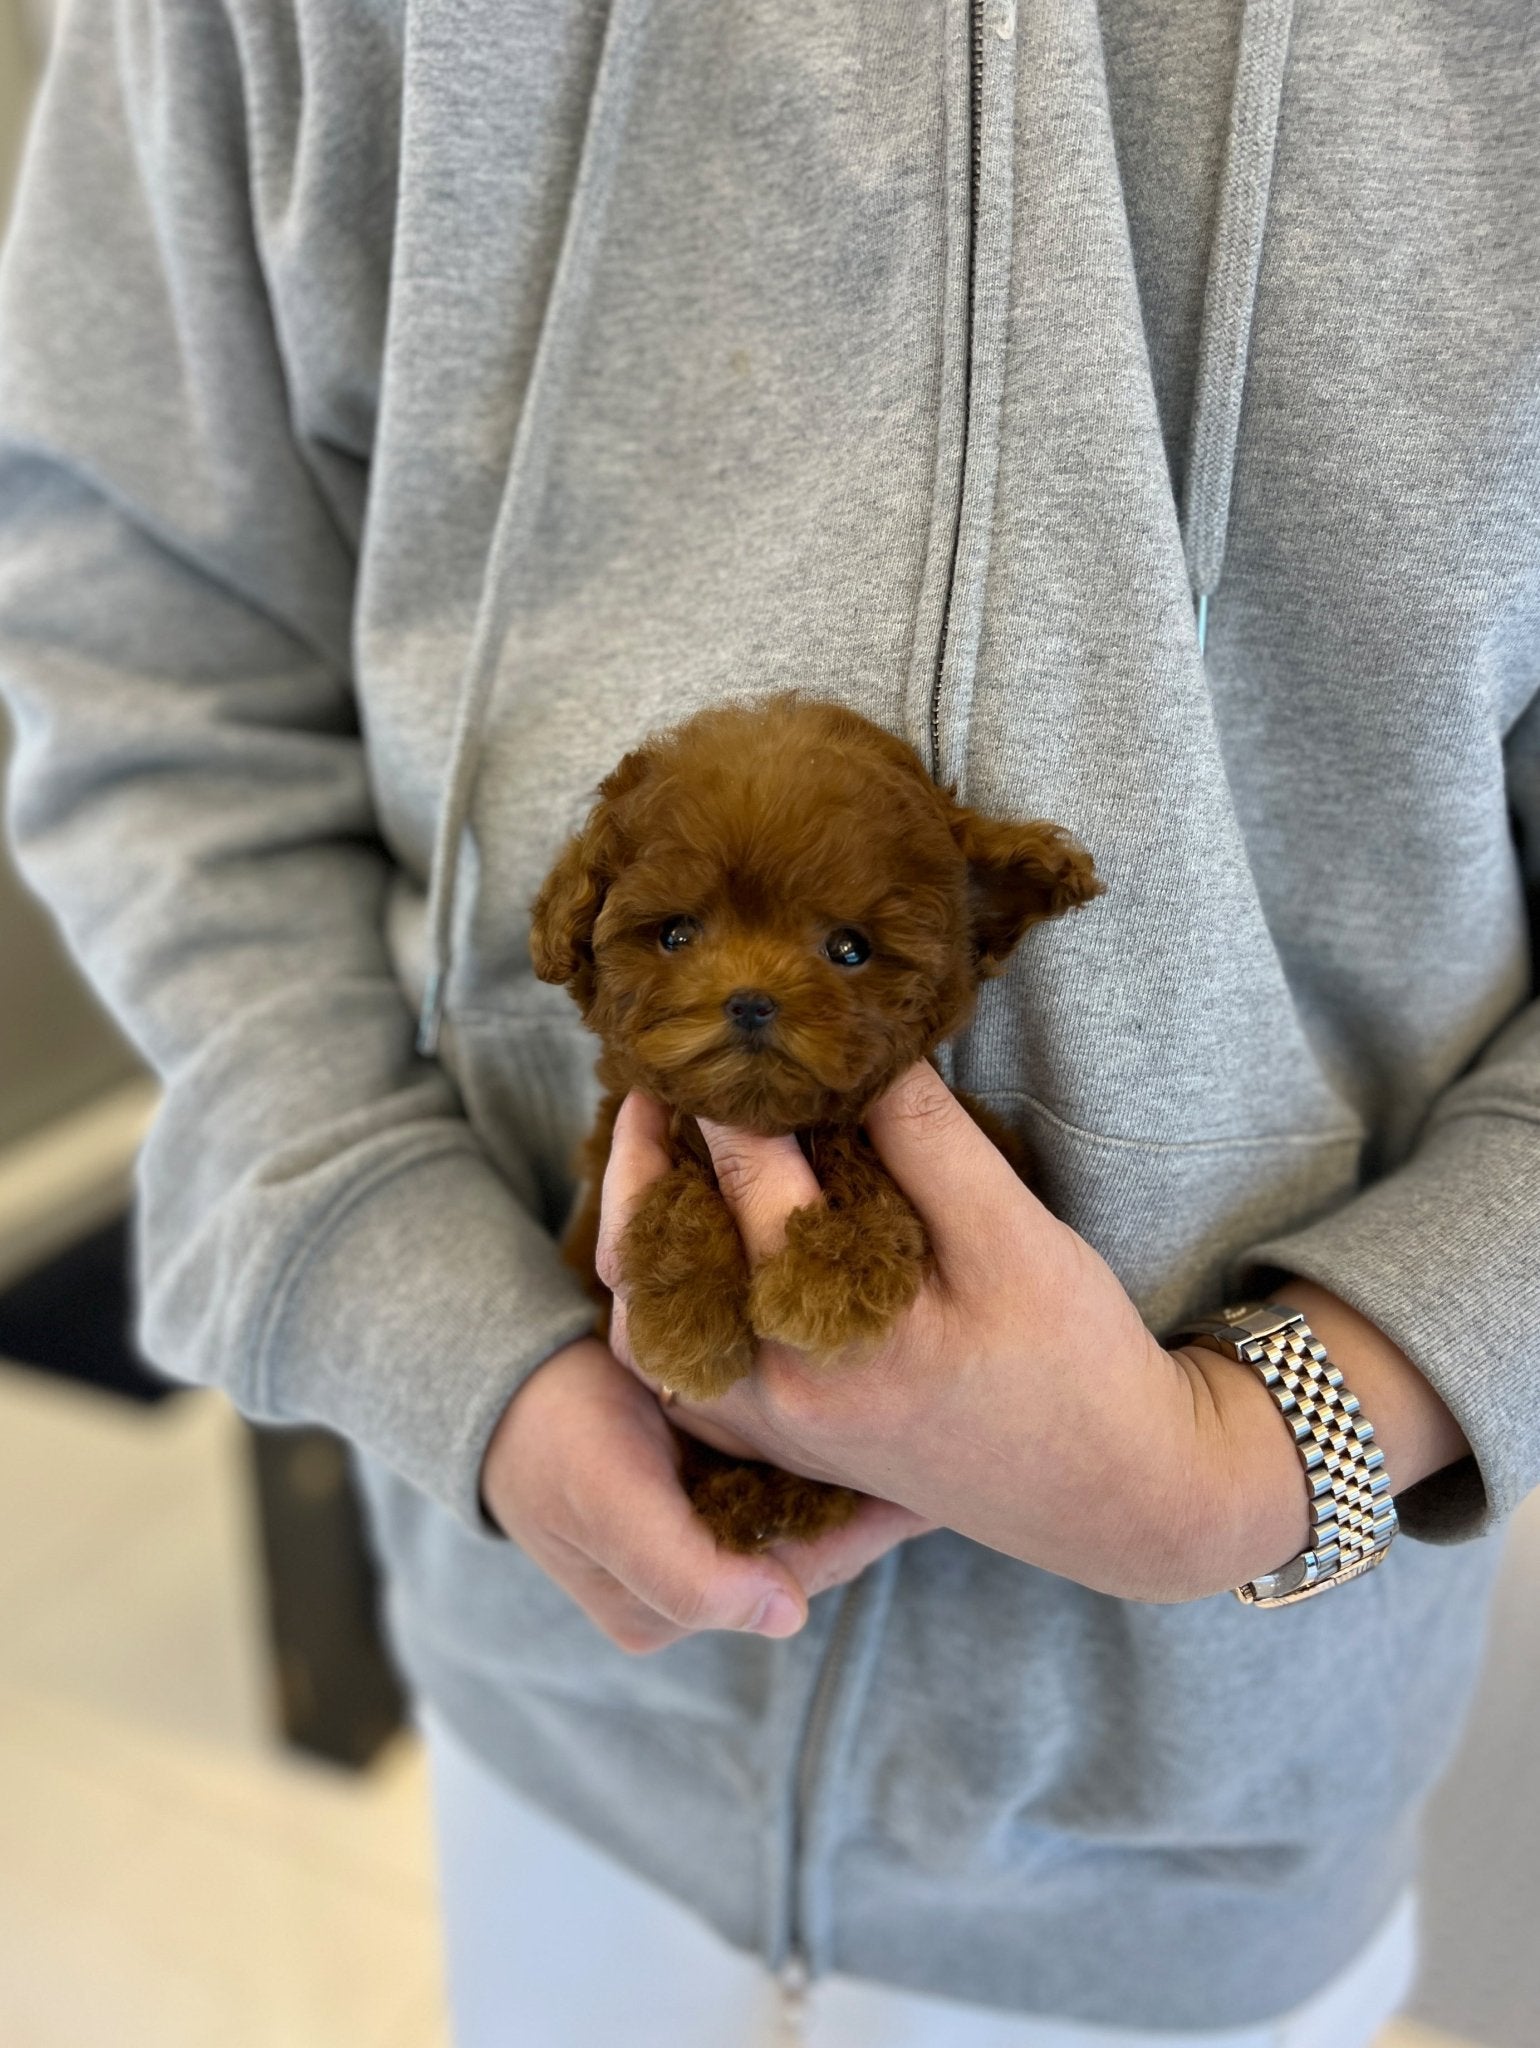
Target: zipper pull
796 1985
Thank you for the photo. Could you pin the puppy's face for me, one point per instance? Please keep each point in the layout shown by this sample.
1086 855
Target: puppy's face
772 911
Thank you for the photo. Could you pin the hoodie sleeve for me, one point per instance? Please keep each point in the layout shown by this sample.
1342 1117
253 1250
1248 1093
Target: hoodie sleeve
320 1233
1443 1254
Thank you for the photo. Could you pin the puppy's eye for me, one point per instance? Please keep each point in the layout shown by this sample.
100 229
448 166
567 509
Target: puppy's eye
676 932
848 947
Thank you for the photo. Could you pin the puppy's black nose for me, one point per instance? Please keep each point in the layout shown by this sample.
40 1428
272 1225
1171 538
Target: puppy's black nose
750 1009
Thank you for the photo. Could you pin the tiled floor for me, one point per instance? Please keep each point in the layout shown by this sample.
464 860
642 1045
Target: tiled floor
167 1878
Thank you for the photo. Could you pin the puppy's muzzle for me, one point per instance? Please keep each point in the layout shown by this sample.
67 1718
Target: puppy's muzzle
750 1010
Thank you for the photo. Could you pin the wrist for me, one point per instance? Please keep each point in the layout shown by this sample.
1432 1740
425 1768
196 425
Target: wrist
498 1457
1249 1473
1262 1518
1189 1516
1413 1427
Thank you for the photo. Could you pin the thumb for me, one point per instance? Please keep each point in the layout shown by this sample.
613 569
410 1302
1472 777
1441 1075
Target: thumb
842 1554
638 1156
762 1181
940 1158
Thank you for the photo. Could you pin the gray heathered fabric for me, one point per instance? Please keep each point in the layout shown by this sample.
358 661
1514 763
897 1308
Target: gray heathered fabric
1229 299
294 304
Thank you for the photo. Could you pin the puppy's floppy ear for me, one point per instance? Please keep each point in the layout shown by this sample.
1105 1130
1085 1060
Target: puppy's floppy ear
562 927
1018 875
565 911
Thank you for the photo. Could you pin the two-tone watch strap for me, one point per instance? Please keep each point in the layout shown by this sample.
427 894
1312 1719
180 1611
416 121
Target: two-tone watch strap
1352 1515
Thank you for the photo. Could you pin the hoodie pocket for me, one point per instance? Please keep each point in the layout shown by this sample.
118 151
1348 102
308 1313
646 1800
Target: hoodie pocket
1174 1220
1171 1218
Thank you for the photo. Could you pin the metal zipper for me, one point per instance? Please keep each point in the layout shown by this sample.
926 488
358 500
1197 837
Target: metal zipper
794 1981
975 172
796 1973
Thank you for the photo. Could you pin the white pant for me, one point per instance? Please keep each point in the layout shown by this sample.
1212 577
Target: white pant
550 1944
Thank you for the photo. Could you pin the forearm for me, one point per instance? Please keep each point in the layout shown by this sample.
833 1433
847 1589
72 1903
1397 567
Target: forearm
1266 1519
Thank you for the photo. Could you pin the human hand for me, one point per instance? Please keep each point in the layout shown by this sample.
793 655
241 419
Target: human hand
582 1472
1021 1401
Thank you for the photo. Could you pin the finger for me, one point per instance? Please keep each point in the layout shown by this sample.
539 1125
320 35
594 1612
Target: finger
711 1428
618 1337
587 1481
941 1159
840 1555
637 1524
762 1181
638 1157
616 1612
702 1423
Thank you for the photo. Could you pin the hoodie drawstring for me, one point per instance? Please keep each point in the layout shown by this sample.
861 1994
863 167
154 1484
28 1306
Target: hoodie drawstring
460 786
518 507
1230 295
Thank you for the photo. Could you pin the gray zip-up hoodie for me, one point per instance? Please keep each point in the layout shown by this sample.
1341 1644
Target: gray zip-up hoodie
405 407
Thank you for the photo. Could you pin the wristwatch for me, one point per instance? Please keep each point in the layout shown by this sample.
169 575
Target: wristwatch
1352 1516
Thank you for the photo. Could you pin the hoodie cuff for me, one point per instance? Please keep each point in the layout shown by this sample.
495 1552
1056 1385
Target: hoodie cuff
1440 1256
421 1306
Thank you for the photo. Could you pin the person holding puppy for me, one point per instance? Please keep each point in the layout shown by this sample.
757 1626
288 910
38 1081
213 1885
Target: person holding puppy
403 414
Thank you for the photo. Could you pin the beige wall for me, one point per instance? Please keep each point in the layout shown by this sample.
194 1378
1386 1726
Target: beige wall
57 1050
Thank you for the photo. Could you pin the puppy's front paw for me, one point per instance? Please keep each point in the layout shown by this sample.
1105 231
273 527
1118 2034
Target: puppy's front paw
843 1278
686 1281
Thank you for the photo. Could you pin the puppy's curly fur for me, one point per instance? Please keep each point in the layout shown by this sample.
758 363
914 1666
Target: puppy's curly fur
769 914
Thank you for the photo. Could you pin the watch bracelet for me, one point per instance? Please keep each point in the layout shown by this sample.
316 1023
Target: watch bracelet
1352 1515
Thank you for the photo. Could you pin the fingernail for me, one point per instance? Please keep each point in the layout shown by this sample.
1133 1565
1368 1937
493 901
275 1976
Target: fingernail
776 1615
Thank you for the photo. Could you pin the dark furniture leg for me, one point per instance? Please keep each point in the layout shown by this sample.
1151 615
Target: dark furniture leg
336 1691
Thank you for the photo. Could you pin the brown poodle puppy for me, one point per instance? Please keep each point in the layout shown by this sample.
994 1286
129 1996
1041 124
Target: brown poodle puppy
769 914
